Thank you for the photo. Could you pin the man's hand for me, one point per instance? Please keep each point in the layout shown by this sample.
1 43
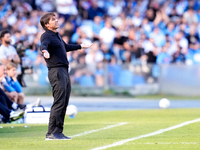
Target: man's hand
46 54
11 95
84 46
16 59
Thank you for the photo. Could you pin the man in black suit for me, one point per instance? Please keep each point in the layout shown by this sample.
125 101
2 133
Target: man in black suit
54 51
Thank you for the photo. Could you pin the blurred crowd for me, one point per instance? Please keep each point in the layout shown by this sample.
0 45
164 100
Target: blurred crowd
134 32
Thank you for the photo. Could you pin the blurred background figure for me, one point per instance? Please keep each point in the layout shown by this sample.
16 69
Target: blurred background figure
142 33
12 87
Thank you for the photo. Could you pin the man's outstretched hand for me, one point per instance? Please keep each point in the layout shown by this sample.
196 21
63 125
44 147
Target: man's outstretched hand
46 54
84 46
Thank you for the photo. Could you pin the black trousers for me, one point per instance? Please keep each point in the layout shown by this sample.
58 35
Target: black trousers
61 88
5 104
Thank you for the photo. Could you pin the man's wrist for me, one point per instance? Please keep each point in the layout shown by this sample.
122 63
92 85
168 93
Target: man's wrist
44 51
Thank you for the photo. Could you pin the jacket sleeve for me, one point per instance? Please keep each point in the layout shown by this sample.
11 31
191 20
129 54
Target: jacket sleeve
16 85
72 47
8 87
45 42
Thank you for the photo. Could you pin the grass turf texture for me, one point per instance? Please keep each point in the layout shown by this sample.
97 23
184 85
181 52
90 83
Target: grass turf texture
141 122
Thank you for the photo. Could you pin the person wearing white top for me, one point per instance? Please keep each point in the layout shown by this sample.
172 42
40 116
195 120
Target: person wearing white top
137 19
107 34
115 10
66 8
7 52
94 55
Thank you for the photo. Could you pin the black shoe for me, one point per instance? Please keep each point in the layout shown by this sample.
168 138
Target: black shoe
54 136
47 135
62 135
21 106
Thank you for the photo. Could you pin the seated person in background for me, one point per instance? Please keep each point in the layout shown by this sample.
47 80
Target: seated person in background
12 87
8 113
11 111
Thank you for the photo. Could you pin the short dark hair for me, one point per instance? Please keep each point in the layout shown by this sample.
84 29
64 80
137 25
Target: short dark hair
45 19
3 32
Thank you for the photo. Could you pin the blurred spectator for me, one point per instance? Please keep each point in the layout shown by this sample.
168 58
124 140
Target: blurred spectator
76 35
30 30
81 57
41 70
12 86
129 43
181 6
7 107
68 31
163 57
30 55
95 10
116 9
190 16
11 111
113 71
99 74
130 40
150 15
96 27
137 19
107 34
193 39
66 8
181 40
15 37
84 78
158 36
94 54
84 39
135 31
107 53
7 52
178 56
11 17
171 31
151 56
137 53
45 5
147 44
147 26
118 45
83 6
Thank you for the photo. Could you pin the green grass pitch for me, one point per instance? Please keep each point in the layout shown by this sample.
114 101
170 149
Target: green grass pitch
140 122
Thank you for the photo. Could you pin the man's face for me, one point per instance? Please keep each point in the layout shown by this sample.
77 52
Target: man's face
53 23
3 71
6 38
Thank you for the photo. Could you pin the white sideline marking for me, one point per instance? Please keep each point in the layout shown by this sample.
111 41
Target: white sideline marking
92 131
147 135
167 143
